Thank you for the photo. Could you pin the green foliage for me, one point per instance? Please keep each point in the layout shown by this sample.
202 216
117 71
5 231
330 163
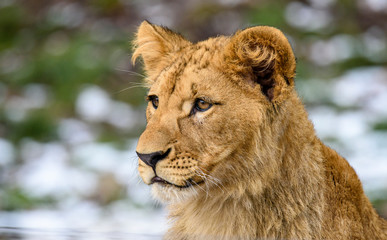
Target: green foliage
380 126
268 13
10 24
37 125
16 199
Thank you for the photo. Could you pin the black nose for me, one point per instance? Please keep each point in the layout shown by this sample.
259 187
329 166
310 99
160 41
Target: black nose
151 159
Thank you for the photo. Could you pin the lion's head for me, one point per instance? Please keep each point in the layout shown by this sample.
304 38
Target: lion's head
207 104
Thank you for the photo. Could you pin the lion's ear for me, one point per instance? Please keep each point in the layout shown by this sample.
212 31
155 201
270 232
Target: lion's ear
154 43
262 55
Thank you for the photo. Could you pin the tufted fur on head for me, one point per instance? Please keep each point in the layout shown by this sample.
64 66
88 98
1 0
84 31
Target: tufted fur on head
230 149
155 44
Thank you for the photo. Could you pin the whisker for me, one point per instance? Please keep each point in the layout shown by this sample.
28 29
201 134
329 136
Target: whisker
212 179
205 181
130 87
201 189
139 181
192 189
131 72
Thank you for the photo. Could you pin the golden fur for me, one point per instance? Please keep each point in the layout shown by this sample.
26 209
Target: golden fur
251 166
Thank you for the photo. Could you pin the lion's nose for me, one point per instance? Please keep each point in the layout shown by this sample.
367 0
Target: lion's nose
151 159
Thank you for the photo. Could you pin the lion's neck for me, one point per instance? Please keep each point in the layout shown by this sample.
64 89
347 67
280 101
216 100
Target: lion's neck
274 194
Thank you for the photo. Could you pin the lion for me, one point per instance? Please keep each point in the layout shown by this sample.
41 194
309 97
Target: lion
229 147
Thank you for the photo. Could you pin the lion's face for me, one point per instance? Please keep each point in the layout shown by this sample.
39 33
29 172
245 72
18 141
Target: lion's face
199 116
192 121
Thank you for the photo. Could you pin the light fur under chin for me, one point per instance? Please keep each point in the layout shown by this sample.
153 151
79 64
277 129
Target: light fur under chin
263 172
173 195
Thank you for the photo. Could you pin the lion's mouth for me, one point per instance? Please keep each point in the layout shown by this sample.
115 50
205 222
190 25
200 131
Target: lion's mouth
189 183
157 179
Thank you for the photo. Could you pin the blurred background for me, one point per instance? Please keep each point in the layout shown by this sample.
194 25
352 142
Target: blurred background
71 108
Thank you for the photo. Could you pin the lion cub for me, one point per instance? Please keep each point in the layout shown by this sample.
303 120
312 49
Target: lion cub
229 146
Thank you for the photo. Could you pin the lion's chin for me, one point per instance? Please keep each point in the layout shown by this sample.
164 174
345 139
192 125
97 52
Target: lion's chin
167 193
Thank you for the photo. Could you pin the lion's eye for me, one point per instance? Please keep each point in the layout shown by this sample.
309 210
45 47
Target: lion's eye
154 100
201 105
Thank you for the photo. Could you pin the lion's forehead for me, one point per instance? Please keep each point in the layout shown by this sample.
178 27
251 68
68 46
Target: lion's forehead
204 52
188 72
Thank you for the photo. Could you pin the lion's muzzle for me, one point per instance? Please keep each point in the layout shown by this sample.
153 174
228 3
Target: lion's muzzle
151 159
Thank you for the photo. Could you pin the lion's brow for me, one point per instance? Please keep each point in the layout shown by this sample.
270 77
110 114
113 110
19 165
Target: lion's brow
194 89
177 69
